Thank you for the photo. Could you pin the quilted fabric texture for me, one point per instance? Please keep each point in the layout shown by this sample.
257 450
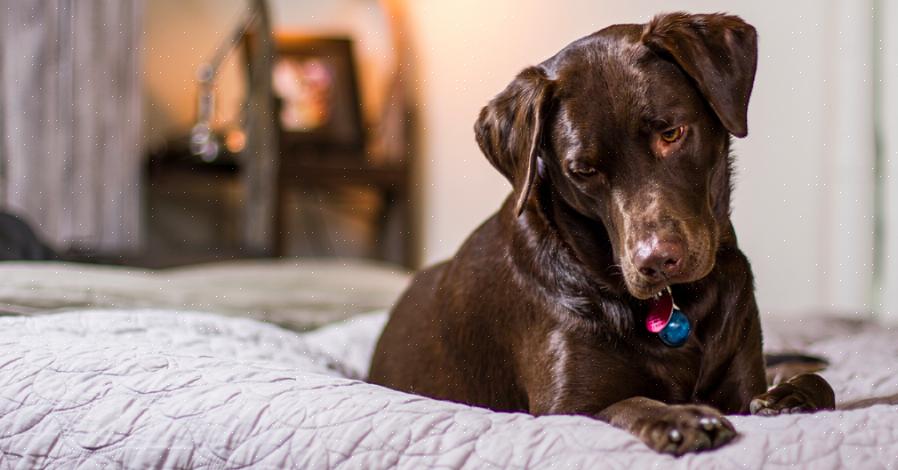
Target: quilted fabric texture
157 389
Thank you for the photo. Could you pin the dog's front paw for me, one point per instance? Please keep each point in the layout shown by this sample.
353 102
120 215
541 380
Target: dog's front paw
802 394
679 429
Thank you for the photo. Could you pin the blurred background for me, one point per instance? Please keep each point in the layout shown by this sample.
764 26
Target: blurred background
171 132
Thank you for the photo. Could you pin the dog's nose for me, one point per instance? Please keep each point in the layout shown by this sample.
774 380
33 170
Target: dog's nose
657 259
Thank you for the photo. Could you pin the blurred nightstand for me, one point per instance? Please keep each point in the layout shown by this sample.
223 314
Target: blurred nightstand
393 233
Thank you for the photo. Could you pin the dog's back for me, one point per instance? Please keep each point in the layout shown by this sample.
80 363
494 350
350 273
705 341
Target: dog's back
441 330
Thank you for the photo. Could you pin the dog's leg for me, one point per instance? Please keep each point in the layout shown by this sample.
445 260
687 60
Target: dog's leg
781 367
672 429
804 393
741 389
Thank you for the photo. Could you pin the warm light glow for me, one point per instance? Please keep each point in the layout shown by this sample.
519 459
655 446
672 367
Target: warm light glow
235 140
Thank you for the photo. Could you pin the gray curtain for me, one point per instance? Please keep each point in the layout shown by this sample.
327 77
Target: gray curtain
70 120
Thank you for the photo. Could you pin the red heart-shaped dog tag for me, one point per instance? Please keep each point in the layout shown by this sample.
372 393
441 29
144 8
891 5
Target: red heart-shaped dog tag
660 309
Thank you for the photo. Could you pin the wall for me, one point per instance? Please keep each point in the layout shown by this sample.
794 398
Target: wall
887 288
802 207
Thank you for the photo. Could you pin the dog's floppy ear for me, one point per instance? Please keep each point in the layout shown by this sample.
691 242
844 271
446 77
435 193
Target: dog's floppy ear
510 130
719 52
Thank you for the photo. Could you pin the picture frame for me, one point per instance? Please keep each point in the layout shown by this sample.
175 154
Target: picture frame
315 84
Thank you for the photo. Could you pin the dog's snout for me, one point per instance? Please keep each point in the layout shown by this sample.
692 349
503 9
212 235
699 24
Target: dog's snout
660 259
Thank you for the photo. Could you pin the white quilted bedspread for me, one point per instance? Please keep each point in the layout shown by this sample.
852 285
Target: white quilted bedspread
158 389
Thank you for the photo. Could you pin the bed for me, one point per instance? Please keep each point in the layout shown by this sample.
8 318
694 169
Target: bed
298 294
171 387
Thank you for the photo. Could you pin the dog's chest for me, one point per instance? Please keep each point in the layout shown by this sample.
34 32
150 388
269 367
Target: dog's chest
673 373
639 365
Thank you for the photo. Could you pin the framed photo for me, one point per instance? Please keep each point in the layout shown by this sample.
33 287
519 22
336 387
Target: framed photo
315 82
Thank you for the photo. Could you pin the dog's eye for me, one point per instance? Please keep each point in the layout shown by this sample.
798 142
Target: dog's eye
672 135
583 170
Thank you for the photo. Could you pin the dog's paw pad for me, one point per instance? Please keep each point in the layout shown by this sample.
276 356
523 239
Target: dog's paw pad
771 407
803 394
687 428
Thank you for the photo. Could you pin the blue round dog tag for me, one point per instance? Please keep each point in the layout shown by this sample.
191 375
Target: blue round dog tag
676 332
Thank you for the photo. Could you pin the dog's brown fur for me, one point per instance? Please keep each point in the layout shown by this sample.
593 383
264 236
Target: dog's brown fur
617 149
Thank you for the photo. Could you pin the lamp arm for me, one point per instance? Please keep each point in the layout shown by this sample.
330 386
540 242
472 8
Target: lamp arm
201 142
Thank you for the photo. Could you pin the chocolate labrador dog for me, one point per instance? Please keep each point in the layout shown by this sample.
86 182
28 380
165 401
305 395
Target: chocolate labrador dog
610 283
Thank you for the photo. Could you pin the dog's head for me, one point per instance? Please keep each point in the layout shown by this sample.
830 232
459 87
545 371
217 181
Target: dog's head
631 126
